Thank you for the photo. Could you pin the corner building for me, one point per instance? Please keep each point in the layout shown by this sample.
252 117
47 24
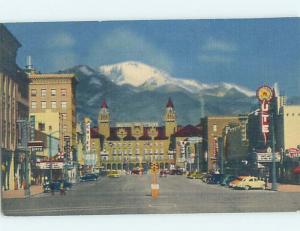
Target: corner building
13 108
136 144
52 101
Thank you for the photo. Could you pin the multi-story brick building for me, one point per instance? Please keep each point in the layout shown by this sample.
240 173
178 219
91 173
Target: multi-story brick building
13 107
52 101
213 128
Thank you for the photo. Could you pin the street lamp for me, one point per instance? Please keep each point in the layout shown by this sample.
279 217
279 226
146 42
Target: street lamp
50 149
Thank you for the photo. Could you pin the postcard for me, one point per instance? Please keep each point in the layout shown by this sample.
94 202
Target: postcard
150 117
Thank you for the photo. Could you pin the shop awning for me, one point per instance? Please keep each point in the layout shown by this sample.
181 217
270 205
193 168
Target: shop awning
296 170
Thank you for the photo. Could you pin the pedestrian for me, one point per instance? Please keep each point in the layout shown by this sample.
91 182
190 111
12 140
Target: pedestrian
62 188
52 188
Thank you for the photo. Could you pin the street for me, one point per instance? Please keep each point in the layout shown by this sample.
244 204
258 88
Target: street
131 195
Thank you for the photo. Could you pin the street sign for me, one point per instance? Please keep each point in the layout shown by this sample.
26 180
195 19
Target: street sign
267 157
36 145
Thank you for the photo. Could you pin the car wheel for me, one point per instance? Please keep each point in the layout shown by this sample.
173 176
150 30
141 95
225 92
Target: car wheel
247 187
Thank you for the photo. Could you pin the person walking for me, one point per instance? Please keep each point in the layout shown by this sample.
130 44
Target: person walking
62 188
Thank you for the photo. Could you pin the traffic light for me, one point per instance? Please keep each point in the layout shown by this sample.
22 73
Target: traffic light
154 167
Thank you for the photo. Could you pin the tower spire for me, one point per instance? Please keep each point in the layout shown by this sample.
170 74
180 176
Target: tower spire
104 104
170 103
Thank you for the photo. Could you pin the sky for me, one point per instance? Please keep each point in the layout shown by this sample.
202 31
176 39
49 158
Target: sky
248 52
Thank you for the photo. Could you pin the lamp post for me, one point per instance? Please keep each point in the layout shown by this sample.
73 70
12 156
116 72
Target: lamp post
274 180
50 151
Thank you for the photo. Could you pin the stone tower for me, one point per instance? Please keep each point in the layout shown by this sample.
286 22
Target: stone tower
104 120
170 118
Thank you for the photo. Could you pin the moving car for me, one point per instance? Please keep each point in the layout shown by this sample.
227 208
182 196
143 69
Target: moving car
55 185
250 182
113 174
88 177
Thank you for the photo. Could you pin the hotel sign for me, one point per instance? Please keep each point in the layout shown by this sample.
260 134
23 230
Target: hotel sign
265 95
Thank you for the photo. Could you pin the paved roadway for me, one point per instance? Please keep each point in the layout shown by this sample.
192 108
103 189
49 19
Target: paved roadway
131 195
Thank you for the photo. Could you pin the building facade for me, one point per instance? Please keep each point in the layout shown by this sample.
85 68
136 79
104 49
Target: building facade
135 144
13 109
187 153
52 101
213 128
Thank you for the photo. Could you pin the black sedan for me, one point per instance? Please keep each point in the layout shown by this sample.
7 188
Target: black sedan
88 177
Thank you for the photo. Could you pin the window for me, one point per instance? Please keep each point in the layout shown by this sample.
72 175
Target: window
63 92
41 126
43 92
64 128
33 92
63 105
64 116
33 104
43 104
53 92
214 128
53 104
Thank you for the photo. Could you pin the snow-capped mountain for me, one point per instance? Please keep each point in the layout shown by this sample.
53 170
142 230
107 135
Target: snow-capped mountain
149 105
146 77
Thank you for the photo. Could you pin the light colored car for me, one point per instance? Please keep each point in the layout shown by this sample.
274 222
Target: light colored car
113 173
233 183
250 182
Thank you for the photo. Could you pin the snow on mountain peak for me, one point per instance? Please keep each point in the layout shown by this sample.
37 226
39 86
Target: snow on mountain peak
133 73
138 74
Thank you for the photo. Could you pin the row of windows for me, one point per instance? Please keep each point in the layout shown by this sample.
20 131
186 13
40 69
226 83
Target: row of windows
170 157
293 114
63 92
44 104
137 151
137 144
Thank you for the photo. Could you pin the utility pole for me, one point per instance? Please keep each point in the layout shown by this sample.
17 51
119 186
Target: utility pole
220 154
274 180
50 154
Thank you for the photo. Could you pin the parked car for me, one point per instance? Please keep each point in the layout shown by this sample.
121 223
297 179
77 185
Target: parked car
137 171
206 177
215 178
227 179
179 172
250 182
235 181
113 174
88 177
195 175
163 173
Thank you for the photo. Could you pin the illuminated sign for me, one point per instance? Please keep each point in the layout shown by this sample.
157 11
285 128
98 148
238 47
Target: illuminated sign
265 95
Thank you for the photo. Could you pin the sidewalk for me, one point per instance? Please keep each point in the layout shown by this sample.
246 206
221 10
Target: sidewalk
20 193
286 187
